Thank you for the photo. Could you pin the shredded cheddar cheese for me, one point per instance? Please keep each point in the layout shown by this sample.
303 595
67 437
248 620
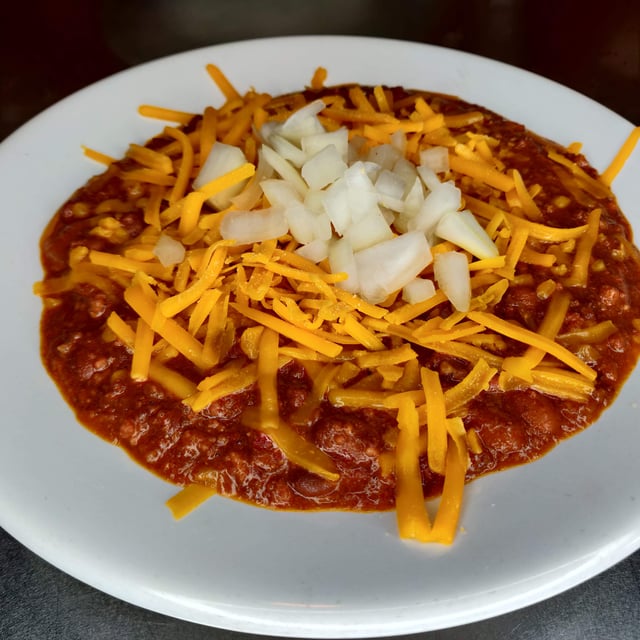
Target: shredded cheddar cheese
268 305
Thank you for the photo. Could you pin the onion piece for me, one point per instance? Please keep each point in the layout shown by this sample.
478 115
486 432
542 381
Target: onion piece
369 230
451 271
443 198
322 229
289 151
429 177
168 250
221 159
384 155
418 290
283 168
303 122
399 141
339 138
390 188
323 168
414 199
390 265
335 201
248 198
301 222
362 196
462 228
342 260
316 251
436 159
257 225
280 193
313 200
406 170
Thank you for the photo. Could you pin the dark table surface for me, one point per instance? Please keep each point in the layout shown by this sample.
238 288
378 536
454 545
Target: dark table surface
51 49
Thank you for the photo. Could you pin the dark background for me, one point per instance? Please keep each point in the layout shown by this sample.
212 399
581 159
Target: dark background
51 49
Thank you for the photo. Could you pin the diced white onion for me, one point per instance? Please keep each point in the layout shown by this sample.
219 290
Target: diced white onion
286 170
369 230
289 151
406 170
303 122
389 184
462 228
313 200
336 204
221 159
390 188
248 198
361 193
316 251
322 226
384 155
399 140
339 138
415 198
388 266
451 271
323 168
346 206
418 290
280 193
443 198
342 260
301 222
429 177
254 226
168 250
436 159
355 145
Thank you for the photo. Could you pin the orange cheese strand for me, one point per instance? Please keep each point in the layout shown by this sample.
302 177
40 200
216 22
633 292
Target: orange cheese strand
150 158
528 337
474 383
303 453
411 513
303 336
189 499
321 382
229 91
142 351
529 207
319 77
610 173
436 420
446 520
482 172
160 113
268 379
170 330
580 270
98 156
171 380
186 164
521 366
295 448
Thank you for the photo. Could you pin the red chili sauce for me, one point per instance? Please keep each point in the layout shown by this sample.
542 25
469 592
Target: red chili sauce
215 448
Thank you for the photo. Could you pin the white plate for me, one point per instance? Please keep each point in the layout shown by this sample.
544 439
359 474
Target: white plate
85 507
